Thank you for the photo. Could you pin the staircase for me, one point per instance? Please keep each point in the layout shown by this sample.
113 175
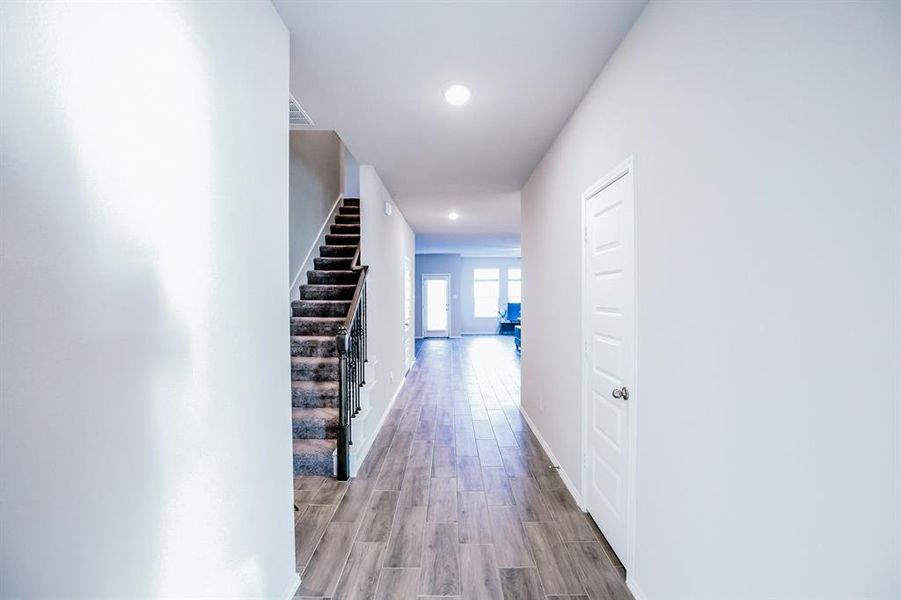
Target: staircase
328 349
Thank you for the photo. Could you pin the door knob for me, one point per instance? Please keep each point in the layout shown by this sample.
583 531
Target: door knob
623 393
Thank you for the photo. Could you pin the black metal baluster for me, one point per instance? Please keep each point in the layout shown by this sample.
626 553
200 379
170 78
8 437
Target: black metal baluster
353 377
351 341
359 344
363 316
343 417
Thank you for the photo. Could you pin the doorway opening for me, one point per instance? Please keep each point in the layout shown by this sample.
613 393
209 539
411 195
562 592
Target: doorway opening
436 305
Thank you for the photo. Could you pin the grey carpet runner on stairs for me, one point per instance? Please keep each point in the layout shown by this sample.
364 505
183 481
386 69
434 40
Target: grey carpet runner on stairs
324 304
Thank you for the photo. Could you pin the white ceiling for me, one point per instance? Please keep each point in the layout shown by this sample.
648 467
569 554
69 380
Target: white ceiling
375 73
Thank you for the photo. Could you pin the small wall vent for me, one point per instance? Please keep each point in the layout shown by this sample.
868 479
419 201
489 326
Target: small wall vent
297 116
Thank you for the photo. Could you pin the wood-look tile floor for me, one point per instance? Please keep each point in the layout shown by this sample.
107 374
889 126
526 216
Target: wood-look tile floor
455 499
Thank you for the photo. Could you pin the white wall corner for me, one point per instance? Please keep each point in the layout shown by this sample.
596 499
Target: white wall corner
567 481
312 253
291 588
635 588
357 458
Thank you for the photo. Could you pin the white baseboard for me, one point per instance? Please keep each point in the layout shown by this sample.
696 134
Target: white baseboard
307 264
357 458
291 588
576 494
391 402
357 461
636 590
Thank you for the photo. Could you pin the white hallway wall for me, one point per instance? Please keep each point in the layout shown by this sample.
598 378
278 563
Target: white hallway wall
767 146
385 241
146 421
316 180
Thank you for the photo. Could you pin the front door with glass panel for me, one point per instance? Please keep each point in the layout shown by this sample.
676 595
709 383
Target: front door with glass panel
436 305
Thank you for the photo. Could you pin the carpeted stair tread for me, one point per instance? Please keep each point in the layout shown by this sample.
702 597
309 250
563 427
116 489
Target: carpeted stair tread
314 457
314 394
314 345
348 210
327 292
315 325
333 263
320 308
342 239
315 423
337 251
314 368
332 277
345 229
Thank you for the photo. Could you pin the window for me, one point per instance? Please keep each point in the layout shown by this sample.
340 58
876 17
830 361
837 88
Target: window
514 285
485 289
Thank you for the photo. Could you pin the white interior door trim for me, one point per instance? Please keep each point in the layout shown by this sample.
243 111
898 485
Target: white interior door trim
424 302
624 168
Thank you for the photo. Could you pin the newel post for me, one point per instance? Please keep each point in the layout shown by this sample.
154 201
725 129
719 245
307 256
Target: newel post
343 409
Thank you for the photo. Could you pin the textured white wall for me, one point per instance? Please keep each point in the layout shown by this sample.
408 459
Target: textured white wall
767 138
386 240
146 424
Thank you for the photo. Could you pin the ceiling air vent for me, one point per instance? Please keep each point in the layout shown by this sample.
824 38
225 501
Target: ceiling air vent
297 117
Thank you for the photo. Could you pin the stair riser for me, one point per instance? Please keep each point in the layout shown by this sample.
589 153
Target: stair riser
337 251
308 292
342 229
332 264
318 348
319 372
313 399
351 202
313 465
349 210
312 308
333 239
315 430
299 327
332 277
347 219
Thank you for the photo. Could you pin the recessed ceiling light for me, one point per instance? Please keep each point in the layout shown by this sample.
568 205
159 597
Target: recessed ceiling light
457 94
453 216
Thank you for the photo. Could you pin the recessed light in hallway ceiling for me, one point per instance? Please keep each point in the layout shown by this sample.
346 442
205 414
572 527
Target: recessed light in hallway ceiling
457 94
453 216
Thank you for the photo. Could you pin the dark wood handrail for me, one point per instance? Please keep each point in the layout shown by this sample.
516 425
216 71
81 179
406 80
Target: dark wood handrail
344 328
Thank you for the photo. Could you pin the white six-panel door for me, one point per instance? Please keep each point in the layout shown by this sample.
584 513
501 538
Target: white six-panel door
609 347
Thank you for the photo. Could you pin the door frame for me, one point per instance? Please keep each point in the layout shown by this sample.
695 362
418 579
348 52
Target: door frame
622 169
409 323
425 301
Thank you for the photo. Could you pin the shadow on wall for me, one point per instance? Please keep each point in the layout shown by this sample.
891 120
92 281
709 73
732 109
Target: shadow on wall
86 333
125 449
